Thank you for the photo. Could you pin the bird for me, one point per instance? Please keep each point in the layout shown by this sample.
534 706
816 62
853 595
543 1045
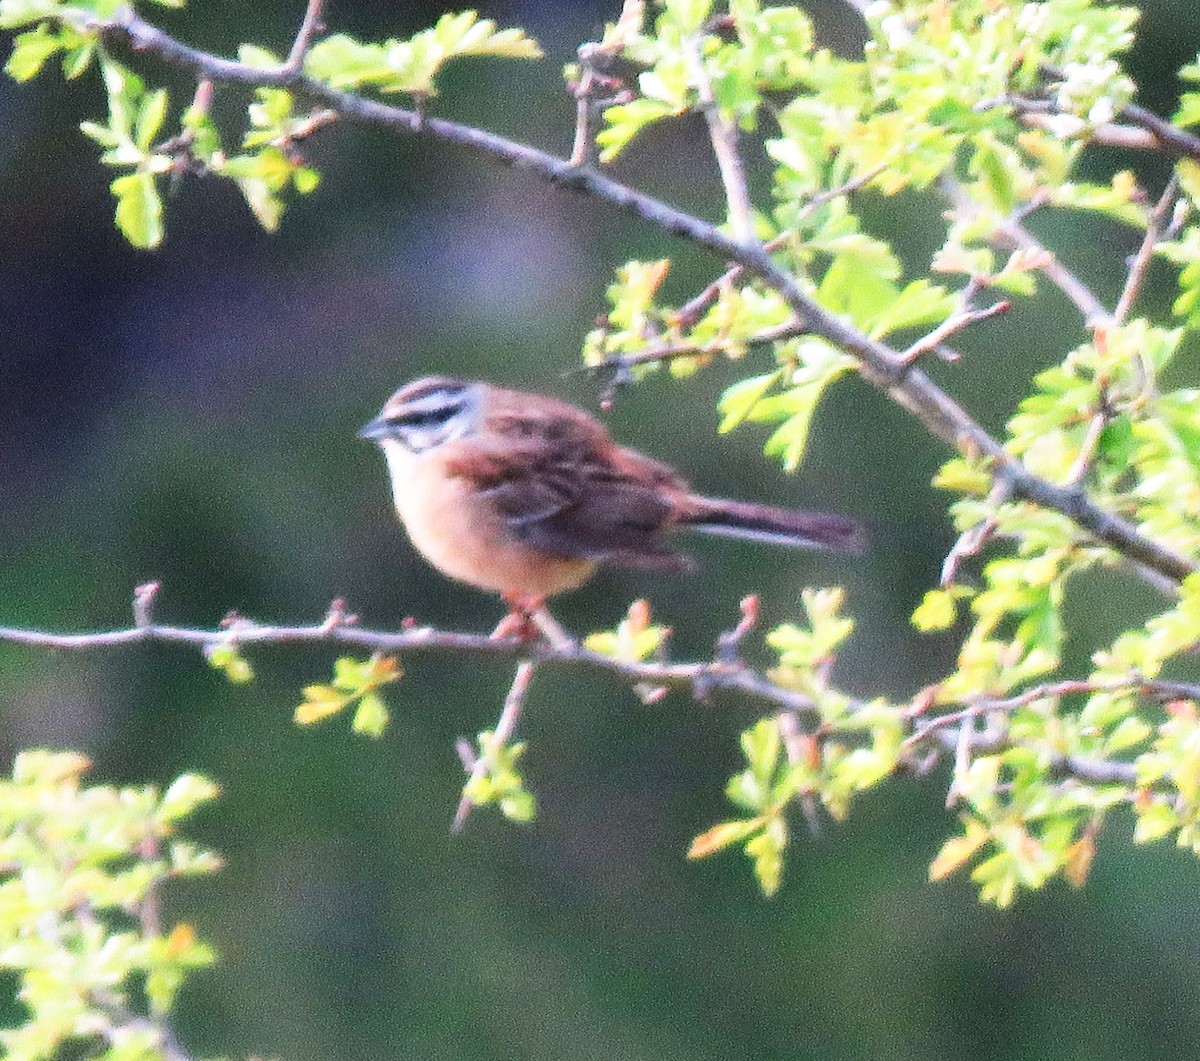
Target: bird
526 496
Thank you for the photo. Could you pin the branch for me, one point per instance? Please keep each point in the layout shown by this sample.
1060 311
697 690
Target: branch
724 136
506 725
879 364
725 674
309 28
1010 234
1141 261
1168 140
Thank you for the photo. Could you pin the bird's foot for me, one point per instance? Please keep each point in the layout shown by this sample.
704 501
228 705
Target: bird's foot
528 619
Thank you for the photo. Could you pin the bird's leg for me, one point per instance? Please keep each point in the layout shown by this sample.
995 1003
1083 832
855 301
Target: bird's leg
527 618
518 624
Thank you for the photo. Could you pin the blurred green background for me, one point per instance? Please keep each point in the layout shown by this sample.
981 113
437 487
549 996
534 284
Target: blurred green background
189 415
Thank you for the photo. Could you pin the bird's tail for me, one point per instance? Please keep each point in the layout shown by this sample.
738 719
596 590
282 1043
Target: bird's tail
777 526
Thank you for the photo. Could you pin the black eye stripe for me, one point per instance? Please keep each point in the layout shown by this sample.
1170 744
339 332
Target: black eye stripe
423 417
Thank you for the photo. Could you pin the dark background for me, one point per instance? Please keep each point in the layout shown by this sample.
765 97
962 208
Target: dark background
189 415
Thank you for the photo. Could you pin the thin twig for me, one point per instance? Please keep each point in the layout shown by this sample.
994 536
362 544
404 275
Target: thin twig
1170 140
1141 261
1049 691
1138 268
952 325
694 308
729 644
309 28
964 741
1013 235
661 353
506 726
796 745
594 61
974 538
1090 445
724 136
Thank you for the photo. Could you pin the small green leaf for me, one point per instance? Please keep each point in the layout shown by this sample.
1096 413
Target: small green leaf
624 121
226 658
139 209
518 805
184 795
1158 820
77 60
320 702
766 849
371 716
30 52
150 117
739 400
918 305
938 609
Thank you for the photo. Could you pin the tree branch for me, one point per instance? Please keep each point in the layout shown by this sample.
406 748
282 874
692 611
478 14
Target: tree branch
506 726
723 133
309 28
726 674
879 364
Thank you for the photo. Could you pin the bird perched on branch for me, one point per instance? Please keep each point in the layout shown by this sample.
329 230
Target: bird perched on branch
526 495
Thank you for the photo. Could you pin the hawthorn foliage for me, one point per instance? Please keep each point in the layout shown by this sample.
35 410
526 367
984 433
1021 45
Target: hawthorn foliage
988 107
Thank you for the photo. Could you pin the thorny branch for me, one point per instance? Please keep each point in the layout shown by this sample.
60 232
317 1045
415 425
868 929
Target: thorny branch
724 675
879 364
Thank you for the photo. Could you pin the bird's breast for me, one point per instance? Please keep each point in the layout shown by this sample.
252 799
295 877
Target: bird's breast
459 531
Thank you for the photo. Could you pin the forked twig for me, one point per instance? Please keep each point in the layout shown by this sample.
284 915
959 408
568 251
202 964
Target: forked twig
506 726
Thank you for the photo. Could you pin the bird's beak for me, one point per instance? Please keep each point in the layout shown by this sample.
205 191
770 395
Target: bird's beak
375 430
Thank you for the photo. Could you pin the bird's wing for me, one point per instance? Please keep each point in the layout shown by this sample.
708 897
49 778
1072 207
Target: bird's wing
564 488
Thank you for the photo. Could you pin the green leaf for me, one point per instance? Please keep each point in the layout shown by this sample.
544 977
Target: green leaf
817 365
184 795
938 609
371 716
30 52
518 805
766 849
1156 821
150 117
344 63
139 209
918 305
320 702
624 121
500 782
466 34
226 658
263 59
412 65
1189 110
77 60
739 400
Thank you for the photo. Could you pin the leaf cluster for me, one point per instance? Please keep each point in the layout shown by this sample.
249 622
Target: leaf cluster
81 868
